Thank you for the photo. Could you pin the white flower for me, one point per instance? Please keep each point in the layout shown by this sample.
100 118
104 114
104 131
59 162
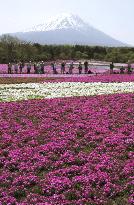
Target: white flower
14 92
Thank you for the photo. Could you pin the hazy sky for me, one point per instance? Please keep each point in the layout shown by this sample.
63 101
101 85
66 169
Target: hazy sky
114 17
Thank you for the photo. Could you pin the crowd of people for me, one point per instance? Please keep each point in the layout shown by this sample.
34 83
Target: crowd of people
39 68
65 68
128 69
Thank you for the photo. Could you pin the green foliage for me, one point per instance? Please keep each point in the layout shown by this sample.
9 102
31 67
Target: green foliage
18 194
12 49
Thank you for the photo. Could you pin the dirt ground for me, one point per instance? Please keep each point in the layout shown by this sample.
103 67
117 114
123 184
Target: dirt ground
22 80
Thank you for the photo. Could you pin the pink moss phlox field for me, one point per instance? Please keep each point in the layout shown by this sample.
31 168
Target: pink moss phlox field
67 151
104 78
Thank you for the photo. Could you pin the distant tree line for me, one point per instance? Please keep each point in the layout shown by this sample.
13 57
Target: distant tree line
12 49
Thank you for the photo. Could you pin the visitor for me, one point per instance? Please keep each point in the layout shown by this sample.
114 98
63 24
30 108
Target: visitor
111 68
16 68
86 67
63 67
20 67
35 68
89 72
42 67
80 68
23 64
29 65
71 67
38 66
9 68
54 67
122 70
129 68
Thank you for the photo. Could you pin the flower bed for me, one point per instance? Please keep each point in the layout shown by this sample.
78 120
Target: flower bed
104 78
13 79
67 151
14 92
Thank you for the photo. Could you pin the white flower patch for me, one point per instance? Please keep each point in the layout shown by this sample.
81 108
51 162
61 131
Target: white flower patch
14 92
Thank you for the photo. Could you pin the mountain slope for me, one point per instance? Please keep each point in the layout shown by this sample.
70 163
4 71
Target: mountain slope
67 29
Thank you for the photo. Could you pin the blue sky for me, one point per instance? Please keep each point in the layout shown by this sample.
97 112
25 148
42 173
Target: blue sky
114 17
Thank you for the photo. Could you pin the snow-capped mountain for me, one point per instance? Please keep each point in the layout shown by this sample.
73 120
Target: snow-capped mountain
63 21
67 29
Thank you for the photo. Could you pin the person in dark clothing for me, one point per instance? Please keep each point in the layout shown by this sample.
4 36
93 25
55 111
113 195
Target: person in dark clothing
54 67
71 66
111 68
80 68
20 67
42 67
23 64
63 68
9 68
35 68
89 72
122 70
29 65
129 69
86 67
16 68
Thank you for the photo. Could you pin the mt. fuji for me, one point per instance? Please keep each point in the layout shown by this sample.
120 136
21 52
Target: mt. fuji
67 29
63 21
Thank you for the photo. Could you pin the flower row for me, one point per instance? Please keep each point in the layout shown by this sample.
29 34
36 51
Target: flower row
27 78
24 91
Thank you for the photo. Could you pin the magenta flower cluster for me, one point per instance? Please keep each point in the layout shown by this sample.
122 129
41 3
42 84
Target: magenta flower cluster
104 78
70 151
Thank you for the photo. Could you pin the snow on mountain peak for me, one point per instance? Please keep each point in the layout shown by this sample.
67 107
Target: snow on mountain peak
62 21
